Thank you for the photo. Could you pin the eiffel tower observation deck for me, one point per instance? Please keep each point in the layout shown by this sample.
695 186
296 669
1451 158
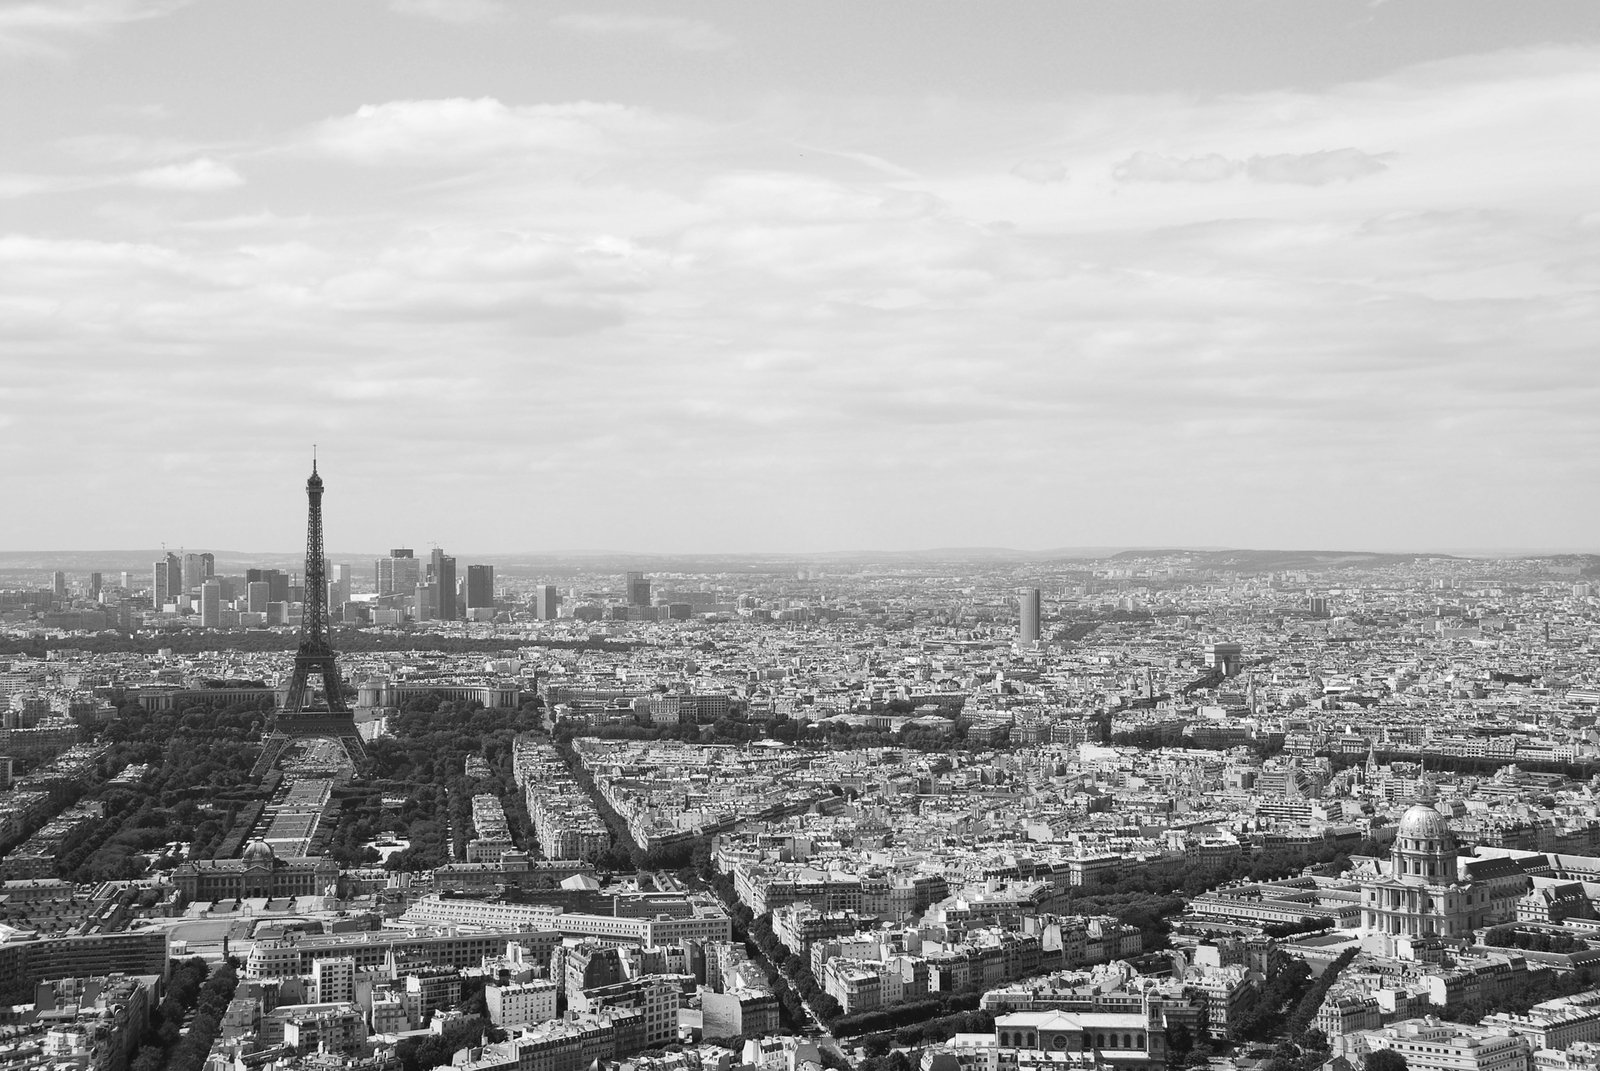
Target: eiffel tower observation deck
309 713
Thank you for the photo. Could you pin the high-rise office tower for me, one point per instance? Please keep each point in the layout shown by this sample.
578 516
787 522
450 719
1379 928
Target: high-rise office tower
1030 616
397 574
127 580
210 604
96 583
257 594
174 577
58 583
442 570
480 586
545 602
425 606
636 589
276 580
159 584
194 572
338 588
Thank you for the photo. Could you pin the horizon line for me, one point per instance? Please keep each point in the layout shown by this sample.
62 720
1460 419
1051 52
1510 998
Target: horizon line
1090 551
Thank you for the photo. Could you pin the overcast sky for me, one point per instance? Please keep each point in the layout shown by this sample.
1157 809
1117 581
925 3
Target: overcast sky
815 275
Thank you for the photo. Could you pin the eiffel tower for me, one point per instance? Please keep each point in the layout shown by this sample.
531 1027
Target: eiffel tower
302 715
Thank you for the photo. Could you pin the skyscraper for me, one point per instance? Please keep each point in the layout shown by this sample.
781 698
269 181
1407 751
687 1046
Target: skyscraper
174 577
1029 632
276 580
480 586
197 569
442 570
159 584
636 589
545 602
210 604
58 583
338 588
397 574
96 582
257 594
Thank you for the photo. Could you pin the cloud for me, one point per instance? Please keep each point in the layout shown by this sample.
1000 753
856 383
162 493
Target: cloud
1301 169
456 12
1314 168
453 131
1153 167
147 112
1042 172
203 175
35 26
690 35
838 336
130 149
20 184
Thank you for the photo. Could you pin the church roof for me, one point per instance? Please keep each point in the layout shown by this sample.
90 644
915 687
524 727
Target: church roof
1423 822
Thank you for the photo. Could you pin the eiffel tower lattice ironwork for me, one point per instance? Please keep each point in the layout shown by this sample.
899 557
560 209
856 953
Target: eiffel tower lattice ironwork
316 648
299 718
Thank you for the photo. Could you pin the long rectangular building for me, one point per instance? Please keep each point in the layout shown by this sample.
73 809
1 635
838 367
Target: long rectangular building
704 923
294 954
41 959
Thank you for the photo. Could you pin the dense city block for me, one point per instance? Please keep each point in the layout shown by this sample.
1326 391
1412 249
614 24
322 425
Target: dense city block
1157 810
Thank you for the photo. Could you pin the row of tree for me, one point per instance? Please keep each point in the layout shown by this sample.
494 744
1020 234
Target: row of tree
436 1050
919 1022
194 993
1533 940
1534 988
197 790
423 760
757 936
352 640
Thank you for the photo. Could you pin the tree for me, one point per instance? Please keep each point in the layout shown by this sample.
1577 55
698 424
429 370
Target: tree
1383 1060
1180 1046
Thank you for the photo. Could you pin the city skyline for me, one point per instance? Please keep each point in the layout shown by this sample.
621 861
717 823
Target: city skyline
726 278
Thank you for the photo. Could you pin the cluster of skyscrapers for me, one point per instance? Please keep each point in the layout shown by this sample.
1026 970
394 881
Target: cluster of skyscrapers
436 594
406 588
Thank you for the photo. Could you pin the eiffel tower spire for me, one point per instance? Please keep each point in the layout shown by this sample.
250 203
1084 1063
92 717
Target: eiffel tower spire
316 646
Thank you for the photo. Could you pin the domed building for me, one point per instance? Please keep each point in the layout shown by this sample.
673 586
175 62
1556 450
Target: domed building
258 853
258 872
1424 895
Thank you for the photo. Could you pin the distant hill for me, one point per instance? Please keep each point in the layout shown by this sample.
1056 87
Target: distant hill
570 562
1251 561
